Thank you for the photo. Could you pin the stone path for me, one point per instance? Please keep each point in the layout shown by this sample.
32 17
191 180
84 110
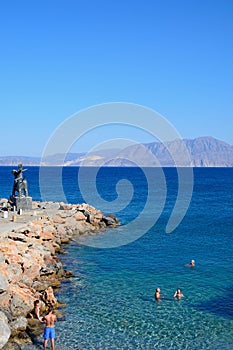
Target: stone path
7 224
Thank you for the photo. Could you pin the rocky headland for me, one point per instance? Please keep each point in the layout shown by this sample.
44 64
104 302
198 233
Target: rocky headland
30 268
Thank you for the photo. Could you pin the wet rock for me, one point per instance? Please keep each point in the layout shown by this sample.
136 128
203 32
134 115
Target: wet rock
113 216
54 283
102 225
109 221
69 274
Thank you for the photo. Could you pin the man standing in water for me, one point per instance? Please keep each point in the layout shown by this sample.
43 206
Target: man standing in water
49 330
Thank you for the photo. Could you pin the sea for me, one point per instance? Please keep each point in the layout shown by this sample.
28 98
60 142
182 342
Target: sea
110 300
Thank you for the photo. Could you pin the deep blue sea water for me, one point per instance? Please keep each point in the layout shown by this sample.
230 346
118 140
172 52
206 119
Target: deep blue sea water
110 301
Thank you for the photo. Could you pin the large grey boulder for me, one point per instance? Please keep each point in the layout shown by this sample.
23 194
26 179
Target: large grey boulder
4 330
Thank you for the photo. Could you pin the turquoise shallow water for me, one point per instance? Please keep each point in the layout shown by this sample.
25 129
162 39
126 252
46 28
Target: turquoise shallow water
110 301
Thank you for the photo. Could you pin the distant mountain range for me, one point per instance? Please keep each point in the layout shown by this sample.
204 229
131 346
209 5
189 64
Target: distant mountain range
203 152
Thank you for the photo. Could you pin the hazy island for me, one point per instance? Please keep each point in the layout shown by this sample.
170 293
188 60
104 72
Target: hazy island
203 152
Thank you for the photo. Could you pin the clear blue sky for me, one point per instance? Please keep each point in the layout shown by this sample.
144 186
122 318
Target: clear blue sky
60 56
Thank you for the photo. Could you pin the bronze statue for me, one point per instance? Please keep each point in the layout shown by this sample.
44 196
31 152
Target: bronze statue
20 183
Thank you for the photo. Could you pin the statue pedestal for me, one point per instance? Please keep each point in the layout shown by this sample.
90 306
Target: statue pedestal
24 203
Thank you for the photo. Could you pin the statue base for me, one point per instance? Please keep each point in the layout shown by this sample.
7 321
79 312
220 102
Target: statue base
24 203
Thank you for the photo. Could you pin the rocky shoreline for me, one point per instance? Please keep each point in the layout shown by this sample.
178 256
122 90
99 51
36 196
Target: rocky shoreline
29 263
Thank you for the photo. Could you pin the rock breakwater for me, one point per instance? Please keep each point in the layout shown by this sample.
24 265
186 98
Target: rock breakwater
29 263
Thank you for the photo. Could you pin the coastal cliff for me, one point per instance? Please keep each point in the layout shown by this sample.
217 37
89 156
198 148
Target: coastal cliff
29 264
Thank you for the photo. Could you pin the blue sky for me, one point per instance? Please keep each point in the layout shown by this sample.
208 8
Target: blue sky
59 57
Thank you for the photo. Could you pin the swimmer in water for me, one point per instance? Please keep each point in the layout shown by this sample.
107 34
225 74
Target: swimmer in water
178 294
157 294
191 264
